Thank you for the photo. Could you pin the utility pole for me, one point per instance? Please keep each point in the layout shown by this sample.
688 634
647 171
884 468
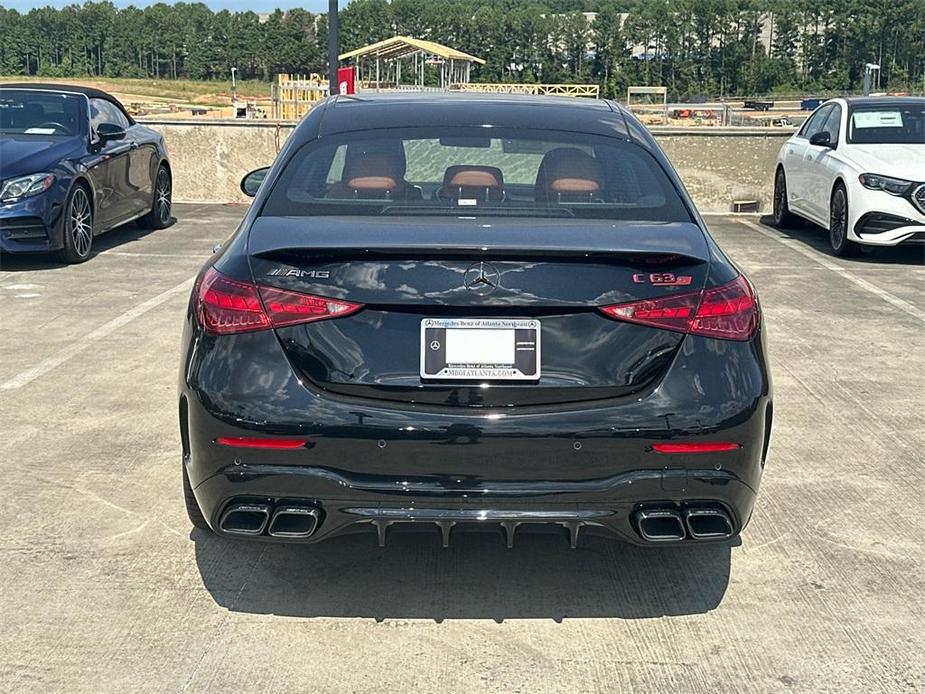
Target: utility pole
333 51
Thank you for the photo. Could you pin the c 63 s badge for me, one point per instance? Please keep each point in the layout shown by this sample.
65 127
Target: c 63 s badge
662 279
295 272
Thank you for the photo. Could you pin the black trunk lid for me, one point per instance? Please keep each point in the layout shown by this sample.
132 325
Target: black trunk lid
407 270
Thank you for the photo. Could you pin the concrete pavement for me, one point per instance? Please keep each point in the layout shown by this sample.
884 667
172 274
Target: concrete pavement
106 589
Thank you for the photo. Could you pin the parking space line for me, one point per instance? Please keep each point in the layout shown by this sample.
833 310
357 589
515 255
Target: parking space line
890 298
66 353
130 254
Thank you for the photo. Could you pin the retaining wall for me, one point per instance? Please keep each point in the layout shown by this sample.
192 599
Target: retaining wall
718 165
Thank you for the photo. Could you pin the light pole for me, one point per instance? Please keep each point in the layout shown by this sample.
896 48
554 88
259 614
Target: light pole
868 71
332 48
234 87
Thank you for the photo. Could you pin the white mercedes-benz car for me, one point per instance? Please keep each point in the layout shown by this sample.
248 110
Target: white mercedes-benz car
857 168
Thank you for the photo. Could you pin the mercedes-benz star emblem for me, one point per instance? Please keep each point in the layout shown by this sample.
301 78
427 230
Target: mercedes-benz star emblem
481 278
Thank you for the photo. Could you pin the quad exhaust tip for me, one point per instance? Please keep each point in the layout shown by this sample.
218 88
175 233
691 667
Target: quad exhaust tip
286 521
660 525
294 521
245 519
708 523
672 525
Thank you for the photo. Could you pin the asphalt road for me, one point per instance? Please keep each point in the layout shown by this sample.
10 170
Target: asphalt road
104 588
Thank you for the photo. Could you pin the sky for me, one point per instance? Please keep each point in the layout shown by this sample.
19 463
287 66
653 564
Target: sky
233 5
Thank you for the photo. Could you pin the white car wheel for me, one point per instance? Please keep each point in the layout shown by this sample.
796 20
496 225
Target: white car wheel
838 224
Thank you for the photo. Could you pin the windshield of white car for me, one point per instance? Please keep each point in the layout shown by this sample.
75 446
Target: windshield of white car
26 112
902 123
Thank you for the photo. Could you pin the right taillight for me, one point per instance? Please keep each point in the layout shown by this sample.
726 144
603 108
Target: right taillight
226 306
728 312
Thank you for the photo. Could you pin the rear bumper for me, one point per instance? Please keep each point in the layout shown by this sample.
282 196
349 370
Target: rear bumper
371 465
611 505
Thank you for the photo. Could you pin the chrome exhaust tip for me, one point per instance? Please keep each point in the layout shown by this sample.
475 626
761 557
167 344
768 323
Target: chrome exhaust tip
245 519
294 521
660 525
708 523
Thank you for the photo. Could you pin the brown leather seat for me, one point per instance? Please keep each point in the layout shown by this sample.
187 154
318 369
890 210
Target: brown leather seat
568 174
374 171
484 183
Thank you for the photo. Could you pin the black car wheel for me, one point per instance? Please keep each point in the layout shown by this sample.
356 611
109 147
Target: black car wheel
782 215
159 216
77 226
192 506
838 224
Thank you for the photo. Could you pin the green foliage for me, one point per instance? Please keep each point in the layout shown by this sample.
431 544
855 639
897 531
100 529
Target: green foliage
694 47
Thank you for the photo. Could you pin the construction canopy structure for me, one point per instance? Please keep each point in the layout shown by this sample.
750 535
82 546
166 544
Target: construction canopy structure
380 64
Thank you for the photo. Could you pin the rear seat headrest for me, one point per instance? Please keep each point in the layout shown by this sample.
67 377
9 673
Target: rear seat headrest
373 175
479 182
568 173
372 183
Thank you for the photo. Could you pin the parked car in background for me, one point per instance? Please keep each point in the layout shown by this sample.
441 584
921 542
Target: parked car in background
758 105
811 104
459 309
74 164
857 168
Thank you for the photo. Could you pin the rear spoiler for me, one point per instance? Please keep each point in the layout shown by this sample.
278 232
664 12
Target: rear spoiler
365 237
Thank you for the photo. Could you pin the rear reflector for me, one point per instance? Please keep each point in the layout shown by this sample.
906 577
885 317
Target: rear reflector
225 306
729 312
705 447
252 442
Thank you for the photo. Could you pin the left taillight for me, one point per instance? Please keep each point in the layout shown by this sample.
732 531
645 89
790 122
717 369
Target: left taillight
226 306
728 312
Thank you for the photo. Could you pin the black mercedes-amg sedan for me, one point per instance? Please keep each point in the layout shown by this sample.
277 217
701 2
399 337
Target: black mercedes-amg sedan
472 311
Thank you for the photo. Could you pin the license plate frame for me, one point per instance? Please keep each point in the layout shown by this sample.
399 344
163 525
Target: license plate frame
444 342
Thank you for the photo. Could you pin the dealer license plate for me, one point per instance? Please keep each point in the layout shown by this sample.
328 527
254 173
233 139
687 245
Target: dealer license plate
498 349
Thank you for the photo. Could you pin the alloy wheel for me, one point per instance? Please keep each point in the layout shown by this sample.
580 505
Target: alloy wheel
80 222
162 195
780 196
838 224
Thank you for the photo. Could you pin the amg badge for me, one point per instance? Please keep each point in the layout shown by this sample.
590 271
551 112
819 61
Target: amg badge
295 272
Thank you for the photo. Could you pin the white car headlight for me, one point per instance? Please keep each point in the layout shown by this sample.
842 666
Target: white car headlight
25 186
893 186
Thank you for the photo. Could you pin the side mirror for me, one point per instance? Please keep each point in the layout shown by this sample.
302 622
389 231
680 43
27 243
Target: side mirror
251 183
110 131
822 139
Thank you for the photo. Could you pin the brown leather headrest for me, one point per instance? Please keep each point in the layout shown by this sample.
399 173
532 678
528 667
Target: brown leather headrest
481 182
372 183
568 173
474 177
574 185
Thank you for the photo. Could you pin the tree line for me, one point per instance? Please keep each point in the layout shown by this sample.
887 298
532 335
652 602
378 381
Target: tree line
694 47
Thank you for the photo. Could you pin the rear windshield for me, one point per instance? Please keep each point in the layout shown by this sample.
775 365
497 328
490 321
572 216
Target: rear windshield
899 124
25 112
475 171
